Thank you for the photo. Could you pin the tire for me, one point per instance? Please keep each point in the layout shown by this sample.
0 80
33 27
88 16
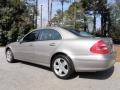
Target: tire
63 67
10 56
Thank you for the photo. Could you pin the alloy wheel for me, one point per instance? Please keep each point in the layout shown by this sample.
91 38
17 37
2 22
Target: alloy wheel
61 67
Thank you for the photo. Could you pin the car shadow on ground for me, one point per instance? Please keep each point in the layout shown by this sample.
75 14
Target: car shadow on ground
101 75
35 65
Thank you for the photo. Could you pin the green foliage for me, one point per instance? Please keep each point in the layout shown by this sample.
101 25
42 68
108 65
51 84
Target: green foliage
115 23
14 17
68 18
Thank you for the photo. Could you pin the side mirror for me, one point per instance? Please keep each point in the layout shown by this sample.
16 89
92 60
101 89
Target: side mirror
19 39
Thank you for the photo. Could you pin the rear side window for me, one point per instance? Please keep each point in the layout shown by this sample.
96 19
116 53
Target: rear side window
56 35
50 34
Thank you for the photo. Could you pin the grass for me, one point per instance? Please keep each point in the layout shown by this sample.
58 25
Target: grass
117 48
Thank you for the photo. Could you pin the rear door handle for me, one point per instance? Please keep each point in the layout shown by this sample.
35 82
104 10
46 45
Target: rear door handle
52 44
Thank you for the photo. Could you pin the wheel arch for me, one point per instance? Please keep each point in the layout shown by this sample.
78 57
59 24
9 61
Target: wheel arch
7 49
59 53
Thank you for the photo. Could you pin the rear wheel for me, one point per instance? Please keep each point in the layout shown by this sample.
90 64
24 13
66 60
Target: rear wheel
9 56
63 67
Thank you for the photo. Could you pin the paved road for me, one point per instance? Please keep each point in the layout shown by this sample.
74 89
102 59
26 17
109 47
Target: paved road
25 76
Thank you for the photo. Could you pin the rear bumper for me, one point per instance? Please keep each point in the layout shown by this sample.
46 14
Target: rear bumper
93 63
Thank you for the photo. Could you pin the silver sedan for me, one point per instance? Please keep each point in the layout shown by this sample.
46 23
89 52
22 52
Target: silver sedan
64 51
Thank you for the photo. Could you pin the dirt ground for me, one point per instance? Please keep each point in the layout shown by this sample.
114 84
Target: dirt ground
117 48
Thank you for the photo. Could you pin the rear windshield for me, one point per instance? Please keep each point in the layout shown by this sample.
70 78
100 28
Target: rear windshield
80 33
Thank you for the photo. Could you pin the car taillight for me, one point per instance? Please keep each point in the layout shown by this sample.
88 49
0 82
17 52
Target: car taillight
100 48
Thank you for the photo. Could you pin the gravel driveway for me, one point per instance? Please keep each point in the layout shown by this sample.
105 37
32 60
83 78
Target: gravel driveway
25 76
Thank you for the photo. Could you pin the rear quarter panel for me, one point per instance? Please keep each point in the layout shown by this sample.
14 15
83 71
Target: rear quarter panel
83 59
74 47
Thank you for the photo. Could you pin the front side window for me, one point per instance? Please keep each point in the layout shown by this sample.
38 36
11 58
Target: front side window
31 36
50 34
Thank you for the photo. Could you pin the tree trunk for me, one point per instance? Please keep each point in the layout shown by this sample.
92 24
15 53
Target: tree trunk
102 22
36 13
48 12
109 23
85 22
62 2
94 14
94 22
104 18
75 16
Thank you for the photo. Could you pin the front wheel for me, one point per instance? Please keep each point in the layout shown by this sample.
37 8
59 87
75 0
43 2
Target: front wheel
63 67
9 56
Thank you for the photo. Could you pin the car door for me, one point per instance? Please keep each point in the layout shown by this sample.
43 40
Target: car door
25 48
49 40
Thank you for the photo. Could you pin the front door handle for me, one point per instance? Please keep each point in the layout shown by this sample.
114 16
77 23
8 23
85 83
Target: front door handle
52 44
30 45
